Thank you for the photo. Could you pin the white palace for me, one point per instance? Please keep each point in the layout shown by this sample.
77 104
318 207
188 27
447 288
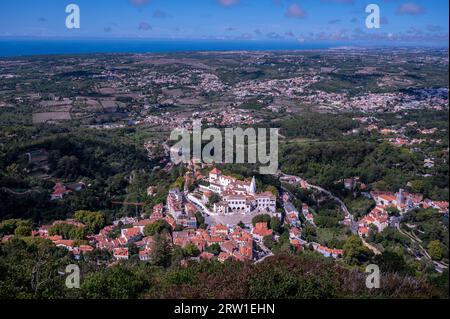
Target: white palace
238 197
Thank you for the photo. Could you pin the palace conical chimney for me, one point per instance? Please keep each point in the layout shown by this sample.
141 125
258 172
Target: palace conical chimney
253 186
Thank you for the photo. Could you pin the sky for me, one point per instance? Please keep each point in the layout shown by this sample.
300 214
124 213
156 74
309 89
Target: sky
415 21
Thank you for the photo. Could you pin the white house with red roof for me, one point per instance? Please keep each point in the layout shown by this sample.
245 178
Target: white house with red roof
363 231
223 256
310 218
402 200
305 209
145 254
329 252
80 251
121 253
219 230
261 230
296 243
65 243
131 235
377 217
59 191
441 206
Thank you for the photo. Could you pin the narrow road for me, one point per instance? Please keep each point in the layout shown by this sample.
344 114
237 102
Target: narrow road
266 250
374 249
344 208
439 266
424 252
337 199
30 191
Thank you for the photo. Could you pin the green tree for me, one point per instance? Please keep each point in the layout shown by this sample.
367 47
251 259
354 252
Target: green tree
273 190
68 167
214 249
113 283
162 251
177 255
13 170
23 231
263 218
29 269
417 186
393 211
200 220
355 253
179 183
309 233
435 249
94 221
8 226
215 198
391 262
269 242
157 227
68 231
275 225
191 250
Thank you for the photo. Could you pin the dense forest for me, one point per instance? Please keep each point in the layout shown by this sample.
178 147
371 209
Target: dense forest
113 165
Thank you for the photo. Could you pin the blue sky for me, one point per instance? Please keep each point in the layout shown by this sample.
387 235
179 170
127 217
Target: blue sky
419 21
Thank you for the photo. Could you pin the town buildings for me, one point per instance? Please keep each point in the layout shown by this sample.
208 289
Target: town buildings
237 197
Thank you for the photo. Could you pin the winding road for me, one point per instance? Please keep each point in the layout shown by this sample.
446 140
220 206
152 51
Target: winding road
30 191
344 208
438 265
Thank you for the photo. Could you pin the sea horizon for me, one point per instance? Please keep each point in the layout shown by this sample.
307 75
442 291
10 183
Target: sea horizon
21 47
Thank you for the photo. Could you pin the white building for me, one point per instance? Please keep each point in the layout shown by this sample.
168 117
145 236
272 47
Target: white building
220 183
175 201
238 197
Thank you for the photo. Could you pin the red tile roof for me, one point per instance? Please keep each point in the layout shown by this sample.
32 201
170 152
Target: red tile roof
262 230
216 171
64 242
120 252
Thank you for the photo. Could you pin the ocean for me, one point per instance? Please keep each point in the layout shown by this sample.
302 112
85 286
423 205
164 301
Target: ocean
31 47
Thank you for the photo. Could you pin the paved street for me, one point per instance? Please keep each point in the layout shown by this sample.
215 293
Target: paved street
233 219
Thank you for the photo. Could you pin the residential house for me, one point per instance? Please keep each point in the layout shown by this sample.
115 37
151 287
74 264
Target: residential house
261 230
121 253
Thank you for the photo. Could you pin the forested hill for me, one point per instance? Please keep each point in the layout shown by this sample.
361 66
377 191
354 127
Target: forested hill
103 161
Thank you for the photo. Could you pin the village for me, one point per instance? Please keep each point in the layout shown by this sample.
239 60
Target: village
222 228
217 215
240 241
